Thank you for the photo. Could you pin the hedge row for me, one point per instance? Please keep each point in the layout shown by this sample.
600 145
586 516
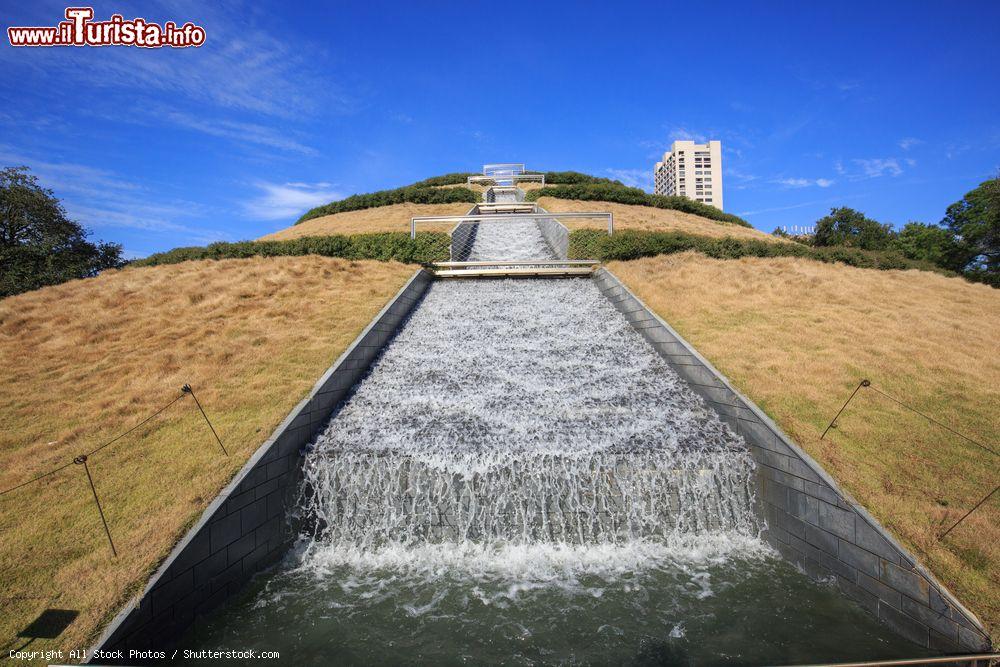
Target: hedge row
426 248
413 194
633 244
446 179
622 194
572 178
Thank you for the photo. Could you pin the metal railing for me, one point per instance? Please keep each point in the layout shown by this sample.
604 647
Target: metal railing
476 180
968 659
515 268
503 166
499 217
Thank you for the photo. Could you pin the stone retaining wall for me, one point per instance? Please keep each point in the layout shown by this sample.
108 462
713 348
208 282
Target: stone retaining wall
246 528
811 521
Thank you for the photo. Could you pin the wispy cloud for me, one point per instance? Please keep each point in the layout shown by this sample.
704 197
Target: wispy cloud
864 168
875 167
279 201
239 132
906 143
790 207
685 134
240 67
804 182
101 198
636 178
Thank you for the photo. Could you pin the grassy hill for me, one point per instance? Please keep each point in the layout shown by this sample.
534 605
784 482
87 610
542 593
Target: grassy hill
393 218
88 359
797 336
645 218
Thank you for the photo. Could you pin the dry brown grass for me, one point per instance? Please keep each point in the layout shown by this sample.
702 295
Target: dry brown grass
647 218
797 336
394 218
88 359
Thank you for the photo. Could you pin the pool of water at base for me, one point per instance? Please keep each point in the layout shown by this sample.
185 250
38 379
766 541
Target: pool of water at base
638 605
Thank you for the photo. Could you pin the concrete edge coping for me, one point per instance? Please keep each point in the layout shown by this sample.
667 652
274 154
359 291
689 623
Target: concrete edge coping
554 220
542 210
251 463
808 460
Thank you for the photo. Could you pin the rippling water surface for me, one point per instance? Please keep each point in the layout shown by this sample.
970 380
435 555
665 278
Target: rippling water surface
521 479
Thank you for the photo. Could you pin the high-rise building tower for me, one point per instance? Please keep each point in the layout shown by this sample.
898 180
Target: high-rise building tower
691 170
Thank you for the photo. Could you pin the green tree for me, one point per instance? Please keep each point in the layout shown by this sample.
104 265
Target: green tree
39 245
975 223
930 243
847 227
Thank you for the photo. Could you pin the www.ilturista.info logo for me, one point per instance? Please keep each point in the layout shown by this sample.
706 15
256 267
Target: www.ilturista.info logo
80 30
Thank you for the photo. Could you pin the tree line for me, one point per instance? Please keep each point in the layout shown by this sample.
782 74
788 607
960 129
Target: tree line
966 240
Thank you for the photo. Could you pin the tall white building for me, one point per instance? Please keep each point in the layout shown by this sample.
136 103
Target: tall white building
691 170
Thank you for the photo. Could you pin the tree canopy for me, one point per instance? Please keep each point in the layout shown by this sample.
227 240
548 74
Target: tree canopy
966 241
974 222
39 244
847 227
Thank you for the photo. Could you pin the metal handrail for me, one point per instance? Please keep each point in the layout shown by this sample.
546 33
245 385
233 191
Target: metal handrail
974 657
502 165
509 216
514 177
524 262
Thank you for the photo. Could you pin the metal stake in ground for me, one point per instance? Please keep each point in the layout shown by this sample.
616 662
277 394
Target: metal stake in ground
863 383
966 515
82 460
188 390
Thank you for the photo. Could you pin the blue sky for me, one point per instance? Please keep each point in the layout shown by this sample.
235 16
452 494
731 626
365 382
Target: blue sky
891 108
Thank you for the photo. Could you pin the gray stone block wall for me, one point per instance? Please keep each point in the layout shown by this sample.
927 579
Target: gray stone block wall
555 234
811 521
246 528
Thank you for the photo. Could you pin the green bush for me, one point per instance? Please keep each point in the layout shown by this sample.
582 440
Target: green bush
427 247
633 244
613 191
413 194
573 178
446 179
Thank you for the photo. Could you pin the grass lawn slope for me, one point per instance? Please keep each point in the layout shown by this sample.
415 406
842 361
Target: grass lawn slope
393 218
88 359
797 336
647 218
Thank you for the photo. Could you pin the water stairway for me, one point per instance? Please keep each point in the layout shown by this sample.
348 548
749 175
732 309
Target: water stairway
521 478
523 412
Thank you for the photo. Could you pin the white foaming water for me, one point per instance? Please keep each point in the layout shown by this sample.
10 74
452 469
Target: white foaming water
523 429
516 239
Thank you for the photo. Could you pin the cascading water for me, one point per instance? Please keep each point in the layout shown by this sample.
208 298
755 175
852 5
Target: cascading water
521 479
516 239
534 414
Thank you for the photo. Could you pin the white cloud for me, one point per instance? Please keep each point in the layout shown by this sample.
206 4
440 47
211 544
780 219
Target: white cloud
287 200
875 167
636 178
804 182
741 176
240 67
684 134
239 132
101 198
906 143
